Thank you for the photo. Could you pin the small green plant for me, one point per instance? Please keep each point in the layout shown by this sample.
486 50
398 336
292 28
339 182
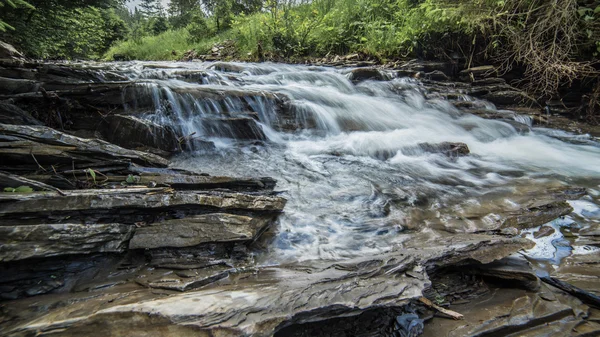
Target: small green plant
131 179
20 189
92 174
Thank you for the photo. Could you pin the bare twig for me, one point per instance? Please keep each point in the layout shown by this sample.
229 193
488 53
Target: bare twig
453 314
38 164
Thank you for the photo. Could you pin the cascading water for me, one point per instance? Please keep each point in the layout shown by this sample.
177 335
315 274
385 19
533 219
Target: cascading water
350 157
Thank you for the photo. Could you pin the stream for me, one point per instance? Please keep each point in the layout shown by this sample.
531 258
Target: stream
356 178
389 190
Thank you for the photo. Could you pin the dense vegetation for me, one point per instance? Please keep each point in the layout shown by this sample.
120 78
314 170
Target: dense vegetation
554 41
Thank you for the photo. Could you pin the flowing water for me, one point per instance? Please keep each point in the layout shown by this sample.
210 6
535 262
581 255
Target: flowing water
350 157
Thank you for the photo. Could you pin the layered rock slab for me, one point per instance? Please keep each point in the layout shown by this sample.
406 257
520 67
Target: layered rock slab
46 240
43 145
198 229
260 302
134 198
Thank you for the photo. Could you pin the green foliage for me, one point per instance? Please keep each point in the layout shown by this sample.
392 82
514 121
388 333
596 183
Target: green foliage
66 33
154 48
159 25
132 179
502 29
20 189
150 8
182 12
92 174
12 4
198 29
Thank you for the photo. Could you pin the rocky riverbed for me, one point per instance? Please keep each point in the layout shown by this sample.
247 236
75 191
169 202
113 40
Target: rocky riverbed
232 199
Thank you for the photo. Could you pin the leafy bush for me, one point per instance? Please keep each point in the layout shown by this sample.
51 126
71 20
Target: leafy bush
65 33
198 29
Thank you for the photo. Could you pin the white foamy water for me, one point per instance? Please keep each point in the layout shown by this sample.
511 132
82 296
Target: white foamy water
349 157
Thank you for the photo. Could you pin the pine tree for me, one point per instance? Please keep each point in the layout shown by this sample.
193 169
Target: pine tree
181 12
150 8
14 4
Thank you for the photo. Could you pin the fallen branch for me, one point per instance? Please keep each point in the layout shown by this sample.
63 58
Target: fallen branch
453 314
585 296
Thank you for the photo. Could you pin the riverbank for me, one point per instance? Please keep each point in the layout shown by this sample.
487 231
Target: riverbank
151 215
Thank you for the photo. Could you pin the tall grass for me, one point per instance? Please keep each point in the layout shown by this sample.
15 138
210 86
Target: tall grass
381 28
152 48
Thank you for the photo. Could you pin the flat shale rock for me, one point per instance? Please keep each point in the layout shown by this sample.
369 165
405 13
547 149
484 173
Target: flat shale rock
188 279
178 179
261 302
46 240
192 231
21 143
537 214
510 97
508 312
133 198
581 270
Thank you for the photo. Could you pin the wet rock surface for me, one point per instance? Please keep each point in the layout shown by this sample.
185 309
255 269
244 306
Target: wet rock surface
111 242
276 297
131 132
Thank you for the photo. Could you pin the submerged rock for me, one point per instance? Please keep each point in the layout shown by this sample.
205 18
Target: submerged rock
449 149
243 128
363 74
227 67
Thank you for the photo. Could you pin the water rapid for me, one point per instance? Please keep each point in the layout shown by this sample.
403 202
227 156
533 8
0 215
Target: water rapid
354 159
